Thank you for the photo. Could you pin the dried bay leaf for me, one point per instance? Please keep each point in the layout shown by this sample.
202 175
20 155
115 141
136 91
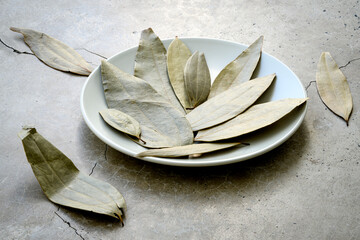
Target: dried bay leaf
121 122
161 124
256 117
228 104
64 184
177 55
150 65
193 149
54 53
333 87
238 71
197 79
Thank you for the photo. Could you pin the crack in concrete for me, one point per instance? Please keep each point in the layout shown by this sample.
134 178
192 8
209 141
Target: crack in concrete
92 170
15 50
306 88
68 223
97 54
353 60
105 154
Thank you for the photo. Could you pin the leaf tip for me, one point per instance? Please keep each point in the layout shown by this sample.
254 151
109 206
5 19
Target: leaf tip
120 218
260 39
141 154
103 63
26 130
147 31
14 29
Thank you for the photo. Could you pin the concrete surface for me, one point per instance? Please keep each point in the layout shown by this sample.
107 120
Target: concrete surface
308 188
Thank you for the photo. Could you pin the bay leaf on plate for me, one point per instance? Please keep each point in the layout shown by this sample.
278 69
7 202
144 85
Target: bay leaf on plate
150 65
239 70
197 79
161 124
177 55
193 149
121 122
256 117
333 87
64 184
228 104
54 53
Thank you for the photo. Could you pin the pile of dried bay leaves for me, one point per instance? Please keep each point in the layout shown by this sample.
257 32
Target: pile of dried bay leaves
170 106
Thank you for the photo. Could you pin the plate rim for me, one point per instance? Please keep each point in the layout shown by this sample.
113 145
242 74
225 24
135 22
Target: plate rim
195 162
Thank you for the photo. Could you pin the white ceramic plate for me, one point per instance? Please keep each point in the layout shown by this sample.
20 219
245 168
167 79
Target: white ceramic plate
218 54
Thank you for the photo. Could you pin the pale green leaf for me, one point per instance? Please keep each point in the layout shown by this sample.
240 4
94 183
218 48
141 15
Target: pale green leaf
54 53
197 79
64 184
228 104
256 117
238 71
150 65
333 87
193 149
161 124
121 122
177 55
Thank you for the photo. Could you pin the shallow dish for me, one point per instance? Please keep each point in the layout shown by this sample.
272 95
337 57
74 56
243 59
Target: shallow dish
218 54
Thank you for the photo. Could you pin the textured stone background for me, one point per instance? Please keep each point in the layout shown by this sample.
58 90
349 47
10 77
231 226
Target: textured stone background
308 188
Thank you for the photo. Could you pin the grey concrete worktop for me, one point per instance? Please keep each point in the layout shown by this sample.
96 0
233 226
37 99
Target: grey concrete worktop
308 188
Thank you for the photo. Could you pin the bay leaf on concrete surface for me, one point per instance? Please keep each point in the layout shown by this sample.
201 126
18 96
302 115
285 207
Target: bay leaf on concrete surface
333 87
54 53
64 184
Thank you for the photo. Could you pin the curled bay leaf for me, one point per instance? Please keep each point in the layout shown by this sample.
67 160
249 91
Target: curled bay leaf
238 71
256 117
150 65
54 53
228 104
121 122
333 87
177 55
197 79
193 149
161 124
64 184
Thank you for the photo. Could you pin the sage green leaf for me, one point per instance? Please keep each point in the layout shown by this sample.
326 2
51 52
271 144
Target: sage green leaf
54 53
228 104
256 117
333 87
193 149
121 122
197 79
150 65
238 71
64 184
161 124
177 56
